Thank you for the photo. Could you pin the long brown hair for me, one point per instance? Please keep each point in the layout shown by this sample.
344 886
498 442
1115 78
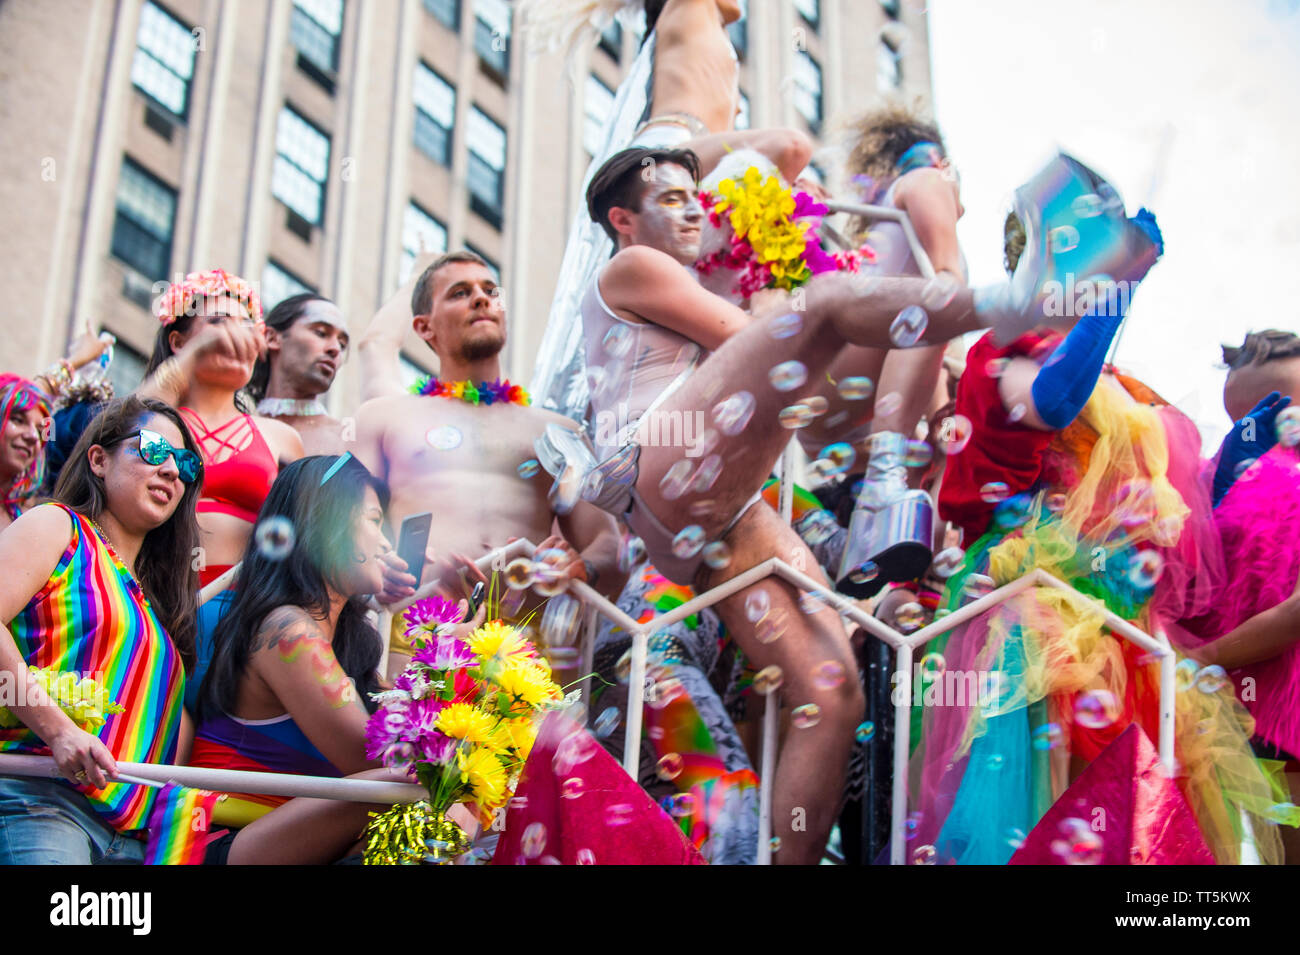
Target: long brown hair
164 563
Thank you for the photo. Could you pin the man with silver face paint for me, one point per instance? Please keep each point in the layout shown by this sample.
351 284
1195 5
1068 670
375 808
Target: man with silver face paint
665 348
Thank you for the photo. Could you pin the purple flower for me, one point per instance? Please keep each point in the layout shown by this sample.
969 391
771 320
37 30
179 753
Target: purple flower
386 726
815 257
433 745
444 653
805 205
426 616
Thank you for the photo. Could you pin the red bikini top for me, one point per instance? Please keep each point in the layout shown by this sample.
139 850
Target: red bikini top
238 466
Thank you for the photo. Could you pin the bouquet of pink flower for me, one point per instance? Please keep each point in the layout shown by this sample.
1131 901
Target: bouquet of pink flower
461 718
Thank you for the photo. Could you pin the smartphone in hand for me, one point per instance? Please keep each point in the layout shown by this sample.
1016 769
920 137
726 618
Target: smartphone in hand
413 541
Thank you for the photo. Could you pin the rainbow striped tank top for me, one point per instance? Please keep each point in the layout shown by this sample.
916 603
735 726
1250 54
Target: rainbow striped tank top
92 618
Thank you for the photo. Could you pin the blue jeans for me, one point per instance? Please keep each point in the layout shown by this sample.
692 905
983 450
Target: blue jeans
44 822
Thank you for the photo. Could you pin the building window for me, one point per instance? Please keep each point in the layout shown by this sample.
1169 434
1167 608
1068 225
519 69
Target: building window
491 265
164 59
447 12
611 39
492 35
597 105
487 166
435 114
808 89
742 115
419 228
315 29
278 283
739 33
146 216
302 156
810 10
127 370
889 68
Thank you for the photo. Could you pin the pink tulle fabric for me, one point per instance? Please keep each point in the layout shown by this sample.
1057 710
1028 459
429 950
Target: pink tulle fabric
1259 523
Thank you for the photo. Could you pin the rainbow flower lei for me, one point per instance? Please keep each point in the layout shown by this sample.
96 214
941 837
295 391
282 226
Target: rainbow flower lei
774 241
484 393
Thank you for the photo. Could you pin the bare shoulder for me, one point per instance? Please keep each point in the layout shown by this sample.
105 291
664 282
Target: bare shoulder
45 529
634 269
283 628
386 408
281 436
922 183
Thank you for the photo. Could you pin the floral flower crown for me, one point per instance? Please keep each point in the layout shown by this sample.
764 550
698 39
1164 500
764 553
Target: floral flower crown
180 297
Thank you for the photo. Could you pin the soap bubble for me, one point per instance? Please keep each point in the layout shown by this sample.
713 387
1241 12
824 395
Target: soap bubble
995 761
909 617
631 552
619 814
534 840
1096 709
520 573
918 454
865 732
706 442
706 475
810 603
828 674
670 766
1063 238
924 855
816 404
1288 427
785 326
445 437
529 469
788 375
1212 679
681 805
584 857
977 586
617 341
732 414
717 555
1078 844
947 562
559 626
1047 736
1087 206
994 491
908 326
939 291
676 480
954 434
913 824
864 573
757 604
856 388
1185 673
996 367
1146 569
572 787
1017 412
888 404
607 721
768 679
1056 502
275 537
806 716
933 666
796 416
688 542
839 457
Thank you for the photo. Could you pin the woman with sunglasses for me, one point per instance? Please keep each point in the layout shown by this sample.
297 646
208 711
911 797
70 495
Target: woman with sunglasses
209 341
98 584
296 661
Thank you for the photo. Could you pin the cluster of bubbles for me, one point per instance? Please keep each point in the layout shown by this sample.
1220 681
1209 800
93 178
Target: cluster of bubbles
275 537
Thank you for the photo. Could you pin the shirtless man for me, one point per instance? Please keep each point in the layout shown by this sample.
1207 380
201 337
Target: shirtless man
463 461
647 293
306 341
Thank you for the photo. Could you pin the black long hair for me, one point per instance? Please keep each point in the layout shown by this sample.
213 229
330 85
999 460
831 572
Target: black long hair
165 563
280 318
324 520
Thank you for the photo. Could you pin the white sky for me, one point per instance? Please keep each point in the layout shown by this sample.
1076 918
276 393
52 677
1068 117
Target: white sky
1187 106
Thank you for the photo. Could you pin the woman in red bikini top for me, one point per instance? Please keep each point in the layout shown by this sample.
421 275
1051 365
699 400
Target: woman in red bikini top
210 338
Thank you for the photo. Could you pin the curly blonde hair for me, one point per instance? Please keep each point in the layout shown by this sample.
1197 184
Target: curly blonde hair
881 136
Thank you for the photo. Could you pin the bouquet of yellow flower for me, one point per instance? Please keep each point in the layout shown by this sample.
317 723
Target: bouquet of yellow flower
774 240
84 700
461 718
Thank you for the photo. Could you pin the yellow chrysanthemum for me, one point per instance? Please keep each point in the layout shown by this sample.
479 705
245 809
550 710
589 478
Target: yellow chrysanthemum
463 721
485 775
495 639
517 735
526 684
